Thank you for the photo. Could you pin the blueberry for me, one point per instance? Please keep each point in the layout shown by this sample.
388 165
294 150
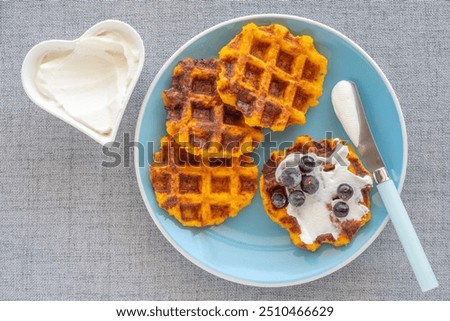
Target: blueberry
296 198
290 177
307 164
278 200
309 184
344 192
340 209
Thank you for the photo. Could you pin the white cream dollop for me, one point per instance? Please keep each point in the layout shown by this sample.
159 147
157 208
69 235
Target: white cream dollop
343 97
90 81
314 216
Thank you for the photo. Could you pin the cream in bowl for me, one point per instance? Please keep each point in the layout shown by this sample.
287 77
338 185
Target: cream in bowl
86 82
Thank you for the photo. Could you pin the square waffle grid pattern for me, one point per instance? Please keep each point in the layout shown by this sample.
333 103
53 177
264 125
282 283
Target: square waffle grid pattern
269 185
200 192
271 76
197 117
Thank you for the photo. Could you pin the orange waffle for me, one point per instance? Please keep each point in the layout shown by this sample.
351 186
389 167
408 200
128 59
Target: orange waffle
271 76
200 192
269 186
198 119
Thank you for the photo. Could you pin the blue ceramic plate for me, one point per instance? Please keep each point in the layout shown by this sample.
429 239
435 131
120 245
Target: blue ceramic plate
250 248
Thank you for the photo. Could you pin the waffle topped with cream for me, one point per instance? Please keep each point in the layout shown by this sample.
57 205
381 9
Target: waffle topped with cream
318 191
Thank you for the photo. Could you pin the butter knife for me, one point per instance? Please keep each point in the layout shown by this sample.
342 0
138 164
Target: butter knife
348 107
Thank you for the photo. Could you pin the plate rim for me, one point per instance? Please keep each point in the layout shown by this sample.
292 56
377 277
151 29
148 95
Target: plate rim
156 80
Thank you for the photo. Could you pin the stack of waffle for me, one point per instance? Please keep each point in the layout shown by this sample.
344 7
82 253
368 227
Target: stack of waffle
265 78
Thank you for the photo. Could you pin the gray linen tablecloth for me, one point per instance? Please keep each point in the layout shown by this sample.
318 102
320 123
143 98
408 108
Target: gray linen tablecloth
73 230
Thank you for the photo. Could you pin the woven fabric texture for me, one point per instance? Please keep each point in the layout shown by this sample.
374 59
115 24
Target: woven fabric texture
71 229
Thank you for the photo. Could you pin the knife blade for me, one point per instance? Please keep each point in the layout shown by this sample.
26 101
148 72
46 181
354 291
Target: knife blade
348 107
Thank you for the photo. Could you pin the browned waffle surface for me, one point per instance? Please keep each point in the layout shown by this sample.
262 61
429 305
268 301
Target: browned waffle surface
271 76
269 186
198 119
200 192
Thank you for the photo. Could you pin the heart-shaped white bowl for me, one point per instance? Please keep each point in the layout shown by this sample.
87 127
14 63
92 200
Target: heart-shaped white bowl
34 56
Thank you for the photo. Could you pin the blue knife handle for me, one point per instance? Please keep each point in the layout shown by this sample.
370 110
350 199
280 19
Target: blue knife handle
408 237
